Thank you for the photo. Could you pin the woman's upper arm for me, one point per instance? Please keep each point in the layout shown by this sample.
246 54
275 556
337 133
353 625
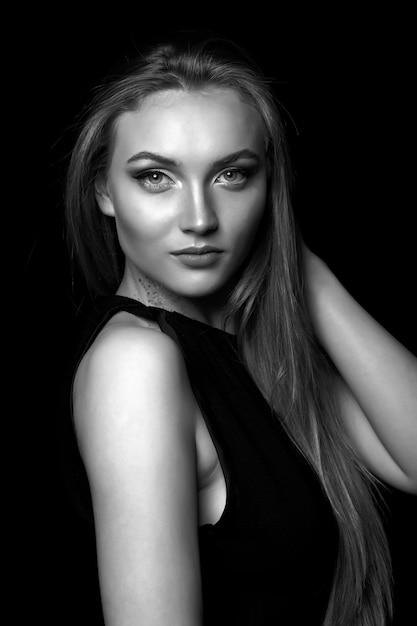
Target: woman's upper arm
135 420
366 442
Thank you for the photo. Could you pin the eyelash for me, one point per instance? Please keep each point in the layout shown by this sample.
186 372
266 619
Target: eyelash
144 178
246 172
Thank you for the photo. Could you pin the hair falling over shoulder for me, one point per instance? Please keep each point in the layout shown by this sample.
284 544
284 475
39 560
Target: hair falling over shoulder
268 305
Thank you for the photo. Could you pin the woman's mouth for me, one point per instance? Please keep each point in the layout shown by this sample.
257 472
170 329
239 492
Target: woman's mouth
198 256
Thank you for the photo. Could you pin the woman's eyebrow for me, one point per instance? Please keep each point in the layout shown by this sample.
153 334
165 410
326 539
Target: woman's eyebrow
152 156
235 156
163 160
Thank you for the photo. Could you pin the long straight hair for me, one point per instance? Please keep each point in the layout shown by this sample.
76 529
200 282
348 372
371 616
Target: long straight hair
268 305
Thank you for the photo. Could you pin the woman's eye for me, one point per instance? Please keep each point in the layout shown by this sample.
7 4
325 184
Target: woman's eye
154 180
233 177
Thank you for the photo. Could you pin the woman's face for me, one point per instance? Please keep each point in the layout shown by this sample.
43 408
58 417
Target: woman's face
187 188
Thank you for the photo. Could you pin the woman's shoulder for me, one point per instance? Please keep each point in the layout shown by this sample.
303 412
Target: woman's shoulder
126 338
132 370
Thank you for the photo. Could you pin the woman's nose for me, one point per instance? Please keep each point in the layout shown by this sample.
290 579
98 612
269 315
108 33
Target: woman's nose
198 213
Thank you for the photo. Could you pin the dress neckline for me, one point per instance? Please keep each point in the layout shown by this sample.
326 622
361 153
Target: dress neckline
154 312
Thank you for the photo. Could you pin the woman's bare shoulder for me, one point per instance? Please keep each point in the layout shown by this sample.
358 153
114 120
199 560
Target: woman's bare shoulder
130 372
126 341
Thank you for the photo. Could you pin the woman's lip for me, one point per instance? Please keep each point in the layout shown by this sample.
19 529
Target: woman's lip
199 259
197 250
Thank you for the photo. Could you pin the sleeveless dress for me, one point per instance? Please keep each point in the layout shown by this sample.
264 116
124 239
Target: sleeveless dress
270 558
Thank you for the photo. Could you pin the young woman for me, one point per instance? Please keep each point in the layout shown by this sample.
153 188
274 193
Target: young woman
234 408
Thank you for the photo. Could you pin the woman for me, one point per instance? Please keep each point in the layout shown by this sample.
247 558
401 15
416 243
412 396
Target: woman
235 409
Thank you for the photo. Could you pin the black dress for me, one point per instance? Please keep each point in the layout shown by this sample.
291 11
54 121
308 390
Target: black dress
270 558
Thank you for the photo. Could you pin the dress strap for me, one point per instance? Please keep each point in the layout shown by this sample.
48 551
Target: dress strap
114 304
165 326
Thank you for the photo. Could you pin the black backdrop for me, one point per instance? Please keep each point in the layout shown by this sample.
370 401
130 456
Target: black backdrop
345 83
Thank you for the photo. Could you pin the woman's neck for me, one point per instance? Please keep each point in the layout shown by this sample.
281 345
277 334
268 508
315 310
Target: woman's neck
211 310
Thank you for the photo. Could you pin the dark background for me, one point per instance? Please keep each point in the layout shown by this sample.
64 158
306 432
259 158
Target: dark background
345 82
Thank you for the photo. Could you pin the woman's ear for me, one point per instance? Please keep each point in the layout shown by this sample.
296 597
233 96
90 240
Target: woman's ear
103 197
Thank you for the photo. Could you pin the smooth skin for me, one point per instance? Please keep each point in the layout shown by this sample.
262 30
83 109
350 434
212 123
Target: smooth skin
161 208
152 466
377 387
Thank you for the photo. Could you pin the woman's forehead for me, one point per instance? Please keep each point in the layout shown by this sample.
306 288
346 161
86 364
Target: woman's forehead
207 121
